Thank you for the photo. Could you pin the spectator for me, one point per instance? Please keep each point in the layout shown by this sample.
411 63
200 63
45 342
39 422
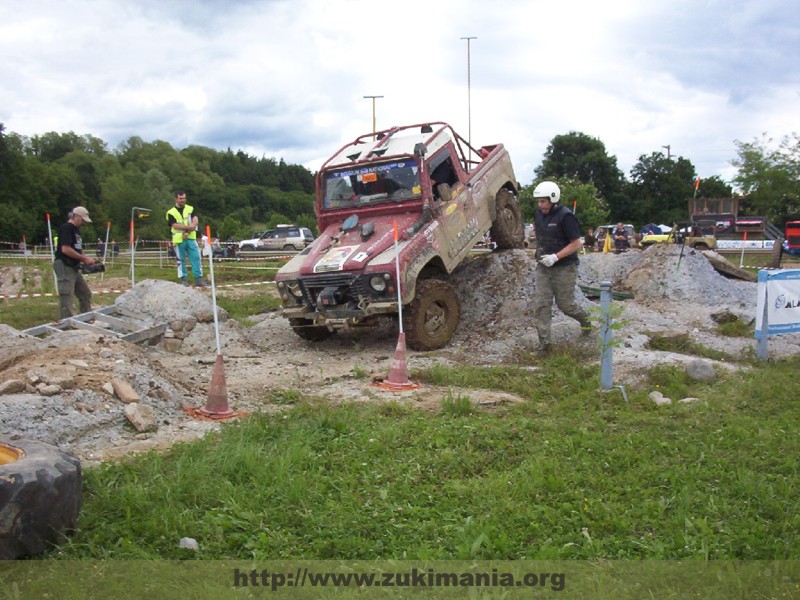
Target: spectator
101 248
69 258
183 225
620 237
114 248
589 241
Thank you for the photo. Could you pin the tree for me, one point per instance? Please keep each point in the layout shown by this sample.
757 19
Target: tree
714 187
660 187
583 158
770 178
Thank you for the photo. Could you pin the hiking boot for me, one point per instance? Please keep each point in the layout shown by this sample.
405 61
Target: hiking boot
200 283
185 282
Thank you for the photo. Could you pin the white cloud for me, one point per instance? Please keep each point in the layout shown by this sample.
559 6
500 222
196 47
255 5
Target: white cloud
288 78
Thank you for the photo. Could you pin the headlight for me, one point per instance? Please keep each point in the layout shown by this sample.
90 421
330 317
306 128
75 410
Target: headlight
294 289
377 283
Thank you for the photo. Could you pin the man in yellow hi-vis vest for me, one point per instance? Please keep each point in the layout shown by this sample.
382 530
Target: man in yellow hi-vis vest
183 225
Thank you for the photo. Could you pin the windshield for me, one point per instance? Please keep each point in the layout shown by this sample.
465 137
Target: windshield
396 181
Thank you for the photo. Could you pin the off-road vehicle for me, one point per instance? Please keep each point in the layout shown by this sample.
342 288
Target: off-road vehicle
422 185
697 235
285 237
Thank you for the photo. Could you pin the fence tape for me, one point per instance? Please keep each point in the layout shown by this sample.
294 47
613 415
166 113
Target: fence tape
120 291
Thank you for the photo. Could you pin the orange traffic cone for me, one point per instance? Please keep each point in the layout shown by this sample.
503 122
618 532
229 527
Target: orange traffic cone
398 373
216 407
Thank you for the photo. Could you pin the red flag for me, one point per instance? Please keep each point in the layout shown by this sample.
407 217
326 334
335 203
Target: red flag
396 235
697 183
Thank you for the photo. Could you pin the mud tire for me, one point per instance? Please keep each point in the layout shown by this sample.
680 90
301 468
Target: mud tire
40 498
430 320
508 230
306 330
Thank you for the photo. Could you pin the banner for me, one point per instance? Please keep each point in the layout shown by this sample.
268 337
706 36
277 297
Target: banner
781 289
739 244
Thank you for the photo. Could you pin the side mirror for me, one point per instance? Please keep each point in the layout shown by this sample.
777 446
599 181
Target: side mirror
367 229
349 223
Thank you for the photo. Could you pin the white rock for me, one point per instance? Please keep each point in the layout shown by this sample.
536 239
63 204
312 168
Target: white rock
190 543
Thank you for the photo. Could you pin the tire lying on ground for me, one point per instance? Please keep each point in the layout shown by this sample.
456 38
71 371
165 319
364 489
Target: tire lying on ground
40 497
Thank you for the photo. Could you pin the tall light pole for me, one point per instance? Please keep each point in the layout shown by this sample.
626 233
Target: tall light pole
469 89
667 147
373 111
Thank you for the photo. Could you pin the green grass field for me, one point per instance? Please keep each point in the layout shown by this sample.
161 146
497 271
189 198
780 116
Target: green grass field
569 473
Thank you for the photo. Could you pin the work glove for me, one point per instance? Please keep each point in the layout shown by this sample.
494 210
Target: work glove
548 260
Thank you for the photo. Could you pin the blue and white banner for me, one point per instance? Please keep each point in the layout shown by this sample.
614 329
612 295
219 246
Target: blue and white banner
749 244
781 289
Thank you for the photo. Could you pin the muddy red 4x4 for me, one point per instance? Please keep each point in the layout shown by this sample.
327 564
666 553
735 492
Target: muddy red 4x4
441 194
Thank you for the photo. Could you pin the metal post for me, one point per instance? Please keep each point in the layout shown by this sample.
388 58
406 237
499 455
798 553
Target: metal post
763 351
469 89
667 147
374 129
606 369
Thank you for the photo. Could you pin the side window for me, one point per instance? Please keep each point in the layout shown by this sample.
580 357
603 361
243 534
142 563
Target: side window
444 172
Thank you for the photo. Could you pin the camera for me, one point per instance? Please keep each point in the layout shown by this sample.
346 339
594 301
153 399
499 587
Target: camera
95 268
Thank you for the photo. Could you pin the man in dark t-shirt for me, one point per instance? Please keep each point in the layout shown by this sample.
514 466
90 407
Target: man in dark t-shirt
69 257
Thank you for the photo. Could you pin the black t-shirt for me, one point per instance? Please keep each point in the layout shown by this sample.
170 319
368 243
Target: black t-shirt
69 235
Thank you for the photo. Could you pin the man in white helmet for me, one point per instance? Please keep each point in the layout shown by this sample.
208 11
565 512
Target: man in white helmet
558 240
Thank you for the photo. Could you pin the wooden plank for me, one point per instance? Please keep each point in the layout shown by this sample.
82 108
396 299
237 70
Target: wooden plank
94 328
145 334
727 268
118 324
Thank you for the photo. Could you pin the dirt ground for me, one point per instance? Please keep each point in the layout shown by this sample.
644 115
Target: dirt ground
58 389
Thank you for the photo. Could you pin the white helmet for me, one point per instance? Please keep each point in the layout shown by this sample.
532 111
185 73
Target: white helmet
549 190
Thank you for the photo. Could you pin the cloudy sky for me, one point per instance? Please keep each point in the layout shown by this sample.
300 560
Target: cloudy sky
287 78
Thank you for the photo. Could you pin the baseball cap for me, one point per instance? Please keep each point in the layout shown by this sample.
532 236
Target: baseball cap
81 212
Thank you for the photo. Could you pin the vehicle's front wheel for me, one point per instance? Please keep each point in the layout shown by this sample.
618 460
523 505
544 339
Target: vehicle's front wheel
306 329
247 247
508 230
432 317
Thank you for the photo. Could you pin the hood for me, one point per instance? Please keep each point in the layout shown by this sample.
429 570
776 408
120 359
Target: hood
345 251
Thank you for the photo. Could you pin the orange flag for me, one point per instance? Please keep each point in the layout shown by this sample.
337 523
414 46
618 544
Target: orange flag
396 235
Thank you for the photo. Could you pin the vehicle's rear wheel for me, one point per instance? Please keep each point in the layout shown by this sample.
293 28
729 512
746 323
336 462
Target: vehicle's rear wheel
508 230
288 247
40 497
306 329
700 246
432 317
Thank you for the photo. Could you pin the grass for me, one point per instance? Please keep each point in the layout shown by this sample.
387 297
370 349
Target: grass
29 312
683 344
569 473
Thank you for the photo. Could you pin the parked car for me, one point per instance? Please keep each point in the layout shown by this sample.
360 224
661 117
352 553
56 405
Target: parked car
695 235
284 237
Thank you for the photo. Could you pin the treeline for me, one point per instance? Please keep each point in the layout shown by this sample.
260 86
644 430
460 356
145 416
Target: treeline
231 191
